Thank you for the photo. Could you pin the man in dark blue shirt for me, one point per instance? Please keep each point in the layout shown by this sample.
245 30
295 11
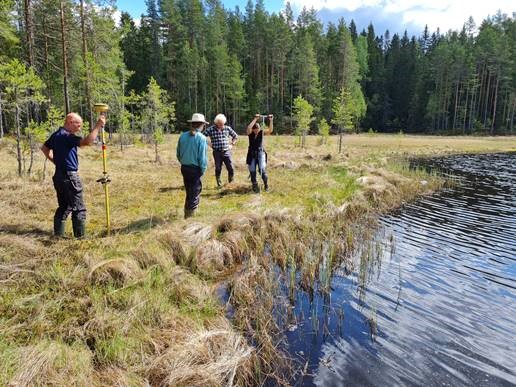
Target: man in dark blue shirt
191 153
61 149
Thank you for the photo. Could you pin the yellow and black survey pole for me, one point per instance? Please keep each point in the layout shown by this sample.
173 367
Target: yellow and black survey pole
104 180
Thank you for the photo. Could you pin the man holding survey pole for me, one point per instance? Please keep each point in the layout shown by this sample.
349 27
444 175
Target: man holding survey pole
61 149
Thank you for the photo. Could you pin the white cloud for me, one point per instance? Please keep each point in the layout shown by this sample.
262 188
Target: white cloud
116 16
445 14
350 5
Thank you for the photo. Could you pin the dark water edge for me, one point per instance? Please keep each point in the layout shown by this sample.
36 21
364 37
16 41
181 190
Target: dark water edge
432 300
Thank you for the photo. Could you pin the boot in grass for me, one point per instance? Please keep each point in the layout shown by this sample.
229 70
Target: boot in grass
256 187
219 181
79 228
59 228
189 213
265 183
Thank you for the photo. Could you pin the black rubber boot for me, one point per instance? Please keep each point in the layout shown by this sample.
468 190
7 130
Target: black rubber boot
219 182
79 228
230 178
265 183
59 228
189 213
256 187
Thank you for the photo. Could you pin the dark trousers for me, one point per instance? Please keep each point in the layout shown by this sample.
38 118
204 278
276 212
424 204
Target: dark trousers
68 187
223 157
193 185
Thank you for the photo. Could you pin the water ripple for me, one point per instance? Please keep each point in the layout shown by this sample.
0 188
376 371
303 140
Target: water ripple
439 305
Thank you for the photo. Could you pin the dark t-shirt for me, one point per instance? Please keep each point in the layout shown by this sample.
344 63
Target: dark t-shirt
64 147
255 146
256 143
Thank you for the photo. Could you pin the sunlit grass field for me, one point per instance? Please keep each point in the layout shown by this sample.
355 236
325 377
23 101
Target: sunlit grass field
140 305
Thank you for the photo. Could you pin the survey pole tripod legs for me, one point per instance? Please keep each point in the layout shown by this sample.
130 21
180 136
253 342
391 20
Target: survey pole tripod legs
104 180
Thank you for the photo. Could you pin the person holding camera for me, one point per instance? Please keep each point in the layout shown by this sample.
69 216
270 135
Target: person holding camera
61 149
256 155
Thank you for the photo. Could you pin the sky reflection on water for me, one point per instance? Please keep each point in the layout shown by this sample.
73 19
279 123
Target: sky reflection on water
435 303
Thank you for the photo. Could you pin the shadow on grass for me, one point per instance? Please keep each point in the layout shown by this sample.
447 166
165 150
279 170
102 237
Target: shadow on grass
170 189
234 189
140 225
18 229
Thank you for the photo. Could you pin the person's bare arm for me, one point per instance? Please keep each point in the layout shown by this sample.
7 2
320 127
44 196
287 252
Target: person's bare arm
269 129
250 126
49 154
234 136
88 140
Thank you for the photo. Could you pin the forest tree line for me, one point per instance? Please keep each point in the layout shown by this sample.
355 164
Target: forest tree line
186 56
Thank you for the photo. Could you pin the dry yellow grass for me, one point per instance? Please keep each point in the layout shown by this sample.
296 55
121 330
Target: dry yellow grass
122 305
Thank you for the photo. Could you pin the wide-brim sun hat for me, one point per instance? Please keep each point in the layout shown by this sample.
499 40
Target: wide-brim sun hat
198 117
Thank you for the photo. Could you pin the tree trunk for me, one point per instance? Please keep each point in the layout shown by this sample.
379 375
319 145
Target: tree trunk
486 102
505 106
29 32
122 109
85 63
465 110
45 35
437 123
18 137
478 96
1 118
472 105
29 37
132 118
495 101
65 60
443 107
455 109
31 150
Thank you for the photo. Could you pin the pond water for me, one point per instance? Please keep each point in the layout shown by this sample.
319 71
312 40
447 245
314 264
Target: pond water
433 302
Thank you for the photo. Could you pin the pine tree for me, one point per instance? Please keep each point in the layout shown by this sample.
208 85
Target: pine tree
158 114
324 130
303 111
22 87
8 38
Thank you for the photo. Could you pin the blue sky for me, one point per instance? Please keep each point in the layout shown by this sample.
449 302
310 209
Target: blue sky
395 15
137 7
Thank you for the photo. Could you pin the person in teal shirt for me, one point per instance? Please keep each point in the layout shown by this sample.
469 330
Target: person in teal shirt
192 154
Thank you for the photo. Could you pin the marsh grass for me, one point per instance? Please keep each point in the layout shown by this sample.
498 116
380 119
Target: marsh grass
118 309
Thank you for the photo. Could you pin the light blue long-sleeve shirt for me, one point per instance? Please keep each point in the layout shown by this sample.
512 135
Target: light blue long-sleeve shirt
192 150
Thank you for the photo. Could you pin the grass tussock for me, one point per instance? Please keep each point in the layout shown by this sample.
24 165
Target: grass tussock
138 307
53 363
212 258
212 357
118 271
